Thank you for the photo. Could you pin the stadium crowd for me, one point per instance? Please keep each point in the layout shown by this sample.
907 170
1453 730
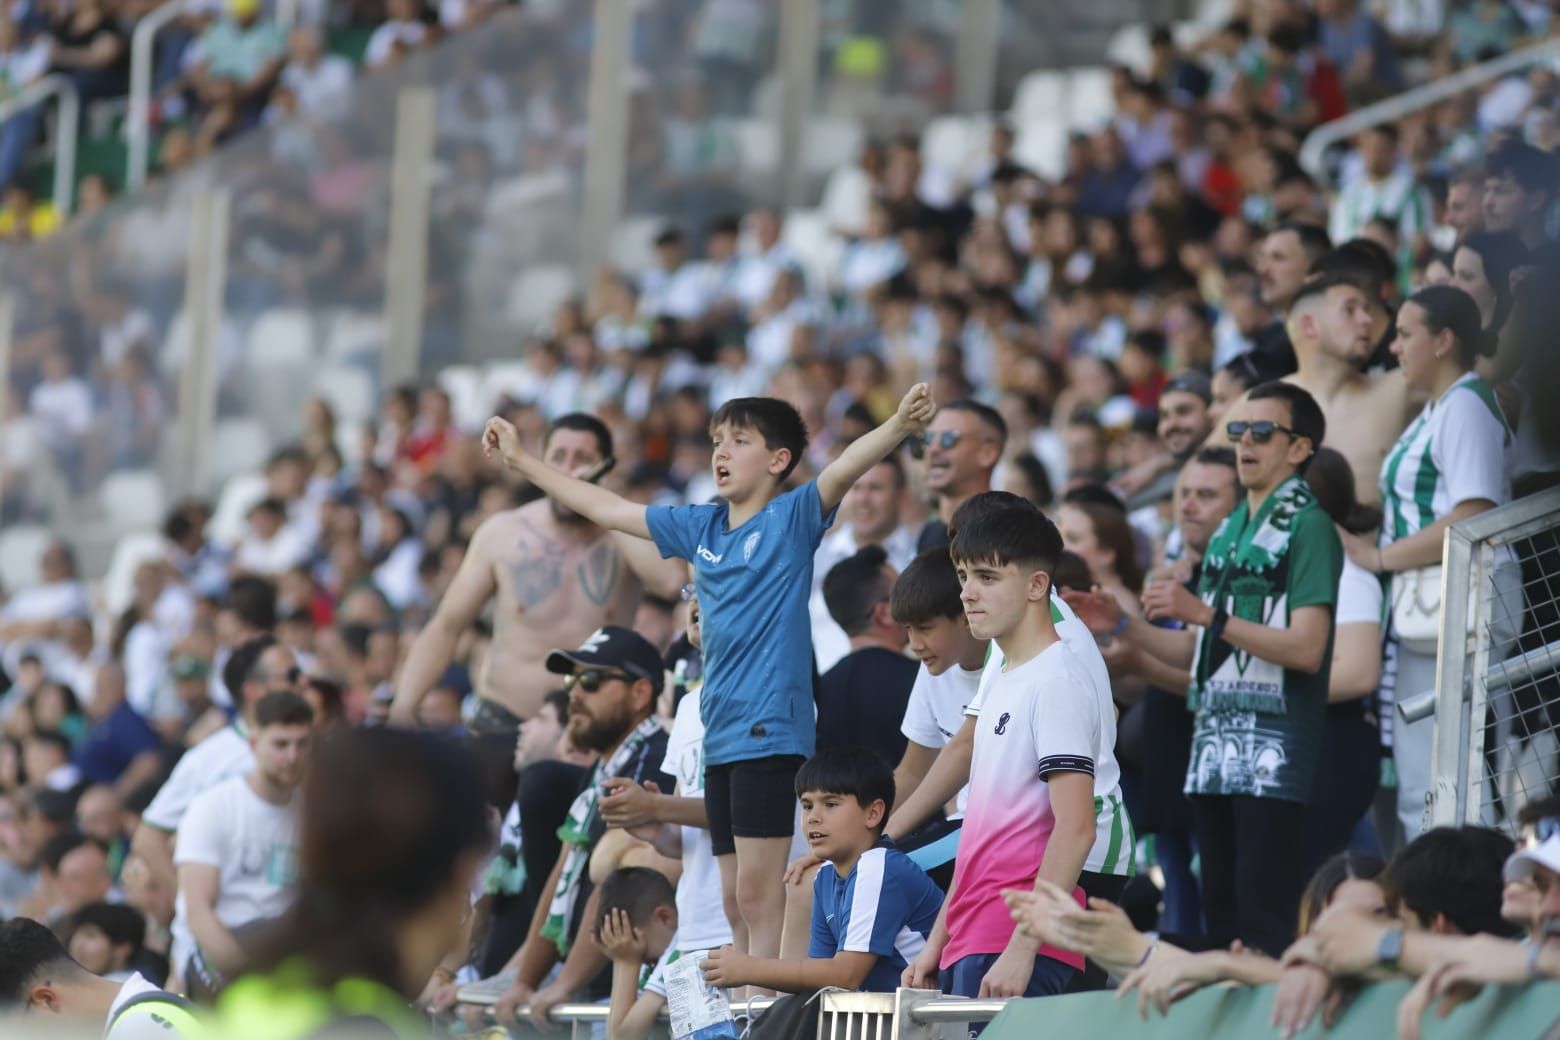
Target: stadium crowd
1016 609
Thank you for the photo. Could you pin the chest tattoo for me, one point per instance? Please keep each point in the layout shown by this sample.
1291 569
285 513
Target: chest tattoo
598 573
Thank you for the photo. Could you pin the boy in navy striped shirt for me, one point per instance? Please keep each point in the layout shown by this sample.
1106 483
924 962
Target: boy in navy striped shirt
872 907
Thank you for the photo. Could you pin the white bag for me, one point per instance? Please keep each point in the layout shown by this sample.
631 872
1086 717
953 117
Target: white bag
1416 608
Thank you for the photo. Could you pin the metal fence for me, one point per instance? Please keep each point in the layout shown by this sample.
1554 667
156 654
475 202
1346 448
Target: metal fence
907 1014
1497 696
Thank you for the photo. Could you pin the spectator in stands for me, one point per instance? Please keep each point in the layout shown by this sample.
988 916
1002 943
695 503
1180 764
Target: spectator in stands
243 49
73 872
120 748
402 31
1359 48
106 938
271 545
236 847
36 619
1102 538
1438 343
321 82
63 408
1383 190
1482 268
24 59
861 697
39 974
961 447
614 679
1520 187
90 48
1283 260
639 928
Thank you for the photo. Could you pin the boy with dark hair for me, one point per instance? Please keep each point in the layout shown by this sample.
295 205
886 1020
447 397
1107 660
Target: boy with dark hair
863 696
872 907
105 938
36 974
752 554
1044 792
637 929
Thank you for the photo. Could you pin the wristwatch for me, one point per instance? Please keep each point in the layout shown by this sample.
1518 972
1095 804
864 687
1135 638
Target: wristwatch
1390 948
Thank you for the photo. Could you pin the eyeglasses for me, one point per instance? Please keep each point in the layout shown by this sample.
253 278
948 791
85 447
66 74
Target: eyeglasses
1261 431
594 679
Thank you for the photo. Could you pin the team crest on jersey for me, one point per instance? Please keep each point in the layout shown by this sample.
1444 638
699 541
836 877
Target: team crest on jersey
1002 723
749 545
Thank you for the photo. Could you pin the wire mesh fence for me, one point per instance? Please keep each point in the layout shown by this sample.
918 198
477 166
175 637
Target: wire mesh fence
1497 700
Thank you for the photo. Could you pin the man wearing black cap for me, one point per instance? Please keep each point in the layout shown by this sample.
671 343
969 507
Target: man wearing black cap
613 679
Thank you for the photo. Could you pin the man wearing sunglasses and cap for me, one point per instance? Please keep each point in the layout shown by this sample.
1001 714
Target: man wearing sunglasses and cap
613 679
962 447
1259 649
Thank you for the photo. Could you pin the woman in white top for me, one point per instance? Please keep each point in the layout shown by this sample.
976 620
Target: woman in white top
1449 465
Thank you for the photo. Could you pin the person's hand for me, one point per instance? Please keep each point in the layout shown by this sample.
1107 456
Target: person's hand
1033 912
502 439
1102 932
443 998
1302 989
1010 975
1169 974
726 967
1096 608
921 973
1346 940
1171 599
619 939
542 1002
797 871
916 408
509 1002
1361 551
1456 980
626 804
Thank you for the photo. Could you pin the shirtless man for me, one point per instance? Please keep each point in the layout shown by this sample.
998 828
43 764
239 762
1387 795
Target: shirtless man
554 577
1331 326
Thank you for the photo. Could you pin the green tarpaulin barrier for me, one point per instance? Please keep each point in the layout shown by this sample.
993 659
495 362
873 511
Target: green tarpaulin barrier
1515 1012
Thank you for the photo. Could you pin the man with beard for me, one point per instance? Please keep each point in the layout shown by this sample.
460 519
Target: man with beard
553 576
613 680
1183 427
1330 326
962 447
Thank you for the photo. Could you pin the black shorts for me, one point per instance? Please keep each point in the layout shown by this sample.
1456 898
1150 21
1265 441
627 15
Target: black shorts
751 799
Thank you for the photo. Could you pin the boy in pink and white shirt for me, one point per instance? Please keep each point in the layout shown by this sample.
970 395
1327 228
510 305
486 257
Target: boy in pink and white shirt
1044 794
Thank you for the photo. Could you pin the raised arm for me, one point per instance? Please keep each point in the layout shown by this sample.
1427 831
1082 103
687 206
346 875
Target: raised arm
434 646
916 409
596 504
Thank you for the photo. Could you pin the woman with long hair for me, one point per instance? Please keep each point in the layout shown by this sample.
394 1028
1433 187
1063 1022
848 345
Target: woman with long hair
1449 465
1101 535
392 831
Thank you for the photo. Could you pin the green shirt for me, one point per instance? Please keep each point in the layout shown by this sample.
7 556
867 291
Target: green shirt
1258 726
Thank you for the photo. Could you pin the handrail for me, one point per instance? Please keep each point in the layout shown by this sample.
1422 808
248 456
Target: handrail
61 85
931 1012
138 123
1316 143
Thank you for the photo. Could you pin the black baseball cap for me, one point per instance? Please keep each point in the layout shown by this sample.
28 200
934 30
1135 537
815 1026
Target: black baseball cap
1191 382
612 646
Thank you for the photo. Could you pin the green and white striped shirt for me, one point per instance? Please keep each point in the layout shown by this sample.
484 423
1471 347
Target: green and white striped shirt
1398 199
1454 451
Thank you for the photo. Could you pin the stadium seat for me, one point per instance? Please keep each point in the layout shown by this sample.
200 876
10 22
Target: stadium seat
1090 103
350 391
536 293
845 197
1042 147
354 334
132 550
1128 46
280 337
631 245
758 145
818 249
21 546
1039 96
464 385
133 498
238 445
950 141
832 142
511 379
231 517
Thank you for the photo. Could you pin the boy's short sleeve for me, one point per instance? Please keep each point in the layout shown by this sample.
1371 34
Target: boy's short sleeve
919 724
675 529
1065 725
822 943
879 908
802 510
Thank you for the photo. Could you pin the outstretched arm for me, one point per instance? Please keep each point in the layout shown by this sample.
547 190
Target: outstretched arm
596 504
915 411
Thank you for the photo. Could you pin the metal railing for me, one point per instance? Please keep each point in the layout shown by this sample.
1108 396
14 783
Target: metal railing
906 1014
59 86
1313 150
1497 691
138 123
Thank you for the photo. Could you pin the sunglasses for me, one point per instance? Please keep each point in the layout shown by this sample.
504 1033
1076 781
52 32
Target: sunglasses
1261 431
594 679
921 441
1543 829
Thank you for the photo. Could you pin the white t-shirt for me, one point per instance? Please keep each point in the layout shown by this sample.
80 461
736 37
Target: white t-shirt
1074 633
253 844
936 710
382 44
701 913
1359 595
223 755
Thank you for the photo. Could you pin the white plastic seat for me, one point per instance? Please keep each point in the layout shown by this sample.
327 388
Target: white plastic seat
238 446
1042 147
537 291
817 248
231 516
1039 95
133 549
948 141
846 195
632 243
464 385
758 146
1129 46
280 337
354 334
513 379
1090 104
350 391
133 498
831 142
21 550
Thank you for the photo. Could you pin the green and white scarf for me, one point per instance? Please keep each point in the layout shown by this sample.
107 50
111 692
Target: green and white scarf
1245 572
576 833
